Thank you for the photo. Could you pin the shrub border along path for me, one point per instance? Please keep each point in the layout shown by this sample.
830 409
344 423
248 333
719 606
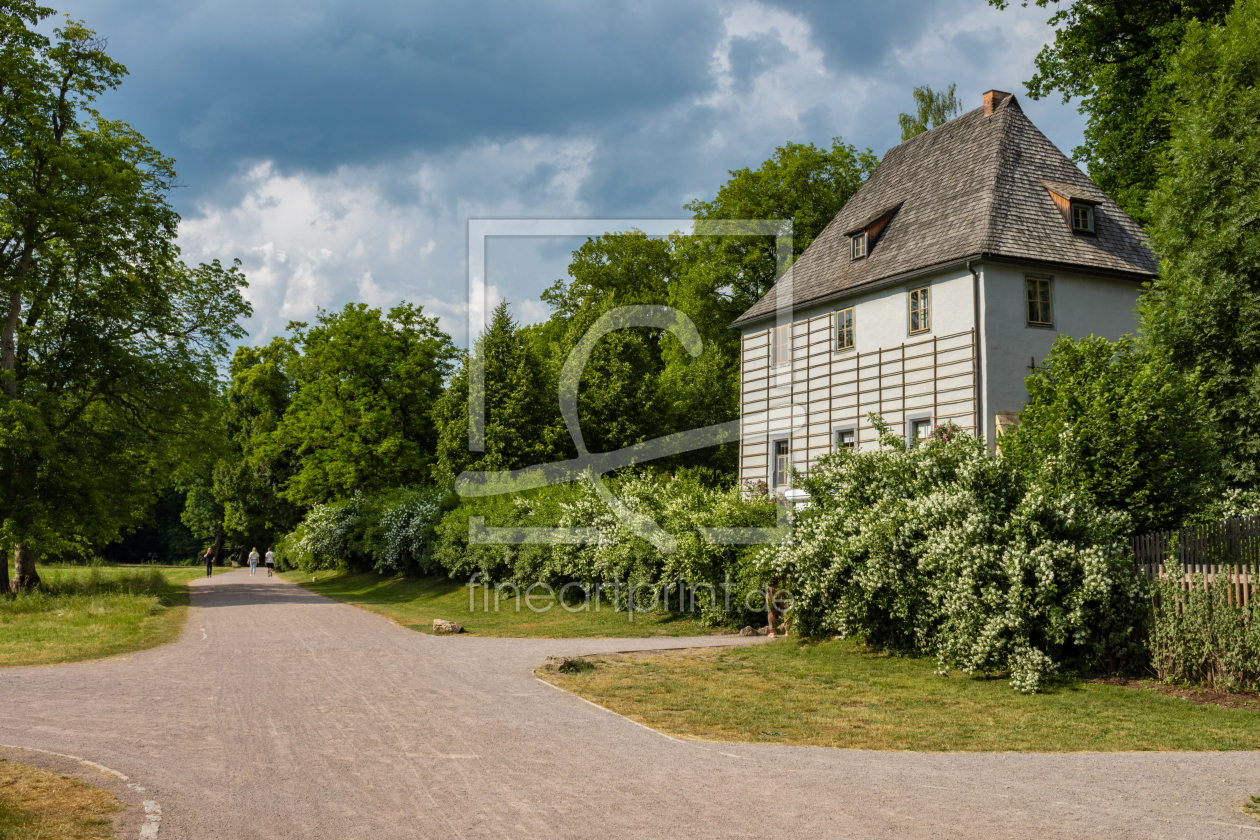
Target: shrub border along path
298 716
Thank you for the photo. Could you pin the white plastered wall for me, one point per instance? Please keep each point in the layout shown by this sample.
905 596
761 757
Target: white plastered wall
1083 305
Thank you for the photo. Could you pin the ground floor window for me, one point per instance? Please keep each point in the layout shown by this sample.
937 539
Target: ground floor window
919 430
845 439
781 457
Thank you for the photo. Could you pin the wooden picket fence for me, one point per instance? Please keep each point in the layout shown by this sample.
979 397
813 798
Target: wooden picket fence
1204 553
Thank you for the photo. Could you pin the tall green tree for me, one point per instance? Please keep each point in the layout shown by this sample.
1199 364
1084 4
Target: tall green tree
641 383
360 416
232 494
1113 56
619 399
109 344
931 108
522 421
248 485
1205 226
801 183
1141 440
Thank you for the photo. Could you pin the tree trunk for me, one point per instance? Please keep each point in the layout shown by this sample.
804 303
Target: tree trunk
24 574
8 336
4 577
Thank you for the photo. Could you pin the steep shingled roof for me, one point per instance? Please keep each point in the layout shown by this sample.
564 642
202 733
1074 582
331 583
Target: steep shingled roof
975 186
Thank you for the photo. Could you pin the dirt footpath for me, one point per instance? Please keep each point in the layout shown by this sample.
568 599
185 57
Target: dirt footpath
281 713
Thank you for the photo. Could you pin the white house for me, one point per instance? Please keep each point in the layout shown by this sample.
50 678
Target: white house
930 296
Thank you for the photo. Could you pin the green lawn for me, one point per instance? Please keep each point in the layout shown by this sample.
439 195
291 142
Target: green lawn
89 612
415 602
835 694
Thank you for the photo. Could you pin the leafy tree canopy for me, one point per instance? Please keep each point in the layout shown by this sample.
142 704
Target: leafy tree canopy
521 418
1140 435
1114 55
802 183
931 108
109 345
1205 226
364 388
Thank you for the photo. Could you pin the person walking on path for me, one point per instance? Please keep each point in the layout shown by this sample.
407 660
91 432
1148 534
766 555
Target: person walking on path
209 561
270 560
253 561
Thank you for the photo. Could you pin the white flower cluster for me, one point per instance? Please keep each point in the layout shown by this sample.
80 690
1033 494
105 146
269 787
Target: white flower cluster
681 505
325 533
945 549
407 537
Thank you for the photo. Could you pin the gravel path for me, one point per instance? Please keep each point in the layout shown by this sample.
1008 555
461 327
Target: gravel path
281 713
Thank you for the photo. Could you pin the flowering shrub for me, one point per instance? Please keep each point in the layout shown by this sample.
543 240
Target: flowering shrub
947 550
326 537
681 505
391 532
406 535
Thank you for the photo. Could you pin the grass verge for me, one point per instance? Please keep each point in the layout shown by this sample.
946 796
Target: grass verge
38 805
415 602
90 612
835 694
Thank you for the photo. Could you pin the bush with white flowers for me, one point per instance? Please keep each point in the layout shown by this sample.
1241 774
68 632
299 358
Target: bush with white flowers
682 505
406 536
945 549
327 535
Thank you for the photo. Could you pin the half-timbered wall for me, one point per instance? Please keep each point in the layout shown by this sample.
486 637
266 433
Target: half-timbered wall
822 391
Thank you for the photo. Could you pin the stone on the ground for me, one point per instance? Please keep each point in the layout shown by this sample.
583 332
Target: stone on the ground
764 631
748 631
561 665
441 625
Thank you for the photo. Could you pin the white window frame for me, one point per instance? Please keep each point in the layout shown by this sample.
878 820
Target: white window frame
780 351
858 246
911 422
839 430
1089 216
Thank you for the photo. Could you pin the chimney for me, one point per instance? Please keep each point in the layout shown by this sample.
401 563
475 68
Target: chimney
994 98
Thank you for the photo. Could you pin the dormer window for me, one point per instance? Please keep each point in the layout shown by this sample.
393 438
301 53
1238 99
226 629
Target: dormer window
858 241
1076 204
1082 218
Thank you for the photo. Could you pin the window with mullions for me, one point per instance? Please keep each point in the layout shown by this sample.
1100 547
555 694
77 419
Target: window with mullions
858 241
1082 218
919 431
781 345
1040 309
920 312
781 457
846 439
844 329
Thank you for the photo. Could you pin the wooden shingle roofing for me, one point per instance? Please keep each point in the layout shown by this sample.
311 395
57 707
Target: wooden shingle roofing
978 186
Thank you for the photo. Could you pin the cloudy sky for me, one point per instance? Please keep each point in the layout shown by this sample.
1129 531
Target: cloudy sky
339 147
